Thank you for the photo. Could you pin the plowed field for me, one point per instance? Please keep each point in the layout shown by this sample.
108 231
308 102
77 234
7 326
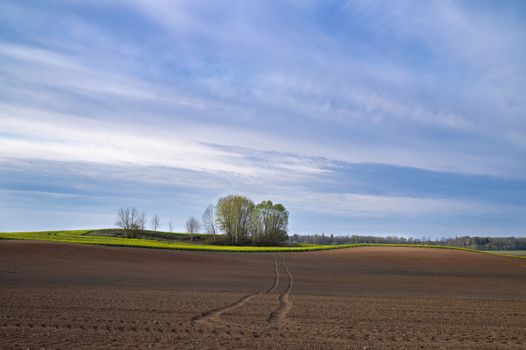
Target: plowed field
67 296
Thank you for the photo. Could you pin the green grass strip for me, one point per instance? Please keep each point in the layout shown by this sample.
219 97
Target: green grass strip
81 237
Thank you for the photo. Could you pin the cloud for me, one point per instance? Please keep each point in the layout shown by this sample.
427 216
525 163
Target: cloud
305 102
36 135
357 206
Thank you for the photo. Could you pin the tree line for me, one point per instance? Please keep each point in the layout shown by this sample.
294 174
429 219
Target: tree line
237 218
473 242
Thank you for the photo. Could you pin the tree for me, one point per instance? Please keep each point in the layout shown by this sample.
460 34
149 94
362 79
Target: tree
192 226
209 218
171 226
269 223
129 220
155 222
142 220
233 217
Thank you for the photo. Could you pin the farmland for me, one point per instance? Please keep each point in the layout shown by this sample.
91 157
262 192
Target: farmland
180 241
58 295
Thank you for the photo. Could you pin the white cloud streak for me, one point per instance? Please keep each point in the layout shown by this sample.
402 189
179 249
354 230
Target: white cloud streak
268 95
37 135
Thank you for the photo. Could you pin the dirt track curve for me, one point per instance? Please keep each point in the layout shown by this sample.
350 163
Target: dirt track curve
285 304
65 296
215 314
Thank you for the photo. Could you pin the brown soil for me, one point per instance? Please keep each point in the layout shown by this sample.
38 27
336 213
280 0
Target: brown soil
60 296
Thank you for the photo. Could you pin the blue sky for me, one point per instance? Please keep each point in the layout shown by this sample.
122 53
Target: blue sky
361 117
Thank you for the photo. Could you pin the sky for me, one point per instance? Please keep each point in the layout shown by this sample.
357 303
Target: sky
361 117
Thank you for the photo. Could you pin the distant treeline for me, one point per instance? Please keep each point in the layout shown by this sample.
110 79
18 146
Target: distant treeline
481 243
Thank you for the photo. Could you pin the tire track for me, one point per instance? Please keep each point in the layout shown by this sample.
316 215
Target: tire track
276 276
281 312
215 314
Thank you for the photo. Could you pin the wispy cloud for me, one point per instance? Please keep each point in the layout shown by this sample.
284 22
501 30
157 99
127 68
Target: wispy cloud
33 134
289 100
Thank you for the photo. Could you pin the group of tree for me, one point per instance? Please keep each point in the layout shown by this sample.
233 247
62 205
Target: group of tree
131 221
473 242
239 219
244 222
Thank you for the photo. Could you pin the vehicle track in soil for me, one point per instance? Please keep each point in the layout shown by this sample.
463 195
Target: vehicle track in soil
281 312
215 314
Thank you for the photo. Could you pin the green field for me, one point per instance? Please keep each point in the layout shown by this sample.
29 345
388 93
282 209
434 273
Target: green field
180 241
101 237
519 253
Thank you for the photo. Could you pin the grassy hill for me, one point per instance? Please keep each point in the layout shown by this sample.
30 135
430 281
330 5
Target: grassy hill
148 239
181 241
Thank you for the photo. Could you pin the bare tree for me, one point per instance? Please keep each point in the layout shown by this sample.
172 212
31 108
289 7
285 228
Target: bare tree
155 222
129 220
192 226
142 220
209 218
171 226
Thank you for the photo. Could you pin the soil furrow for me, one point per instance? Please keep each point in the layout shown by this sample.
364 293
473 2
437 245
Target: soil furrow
444 274
426 267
